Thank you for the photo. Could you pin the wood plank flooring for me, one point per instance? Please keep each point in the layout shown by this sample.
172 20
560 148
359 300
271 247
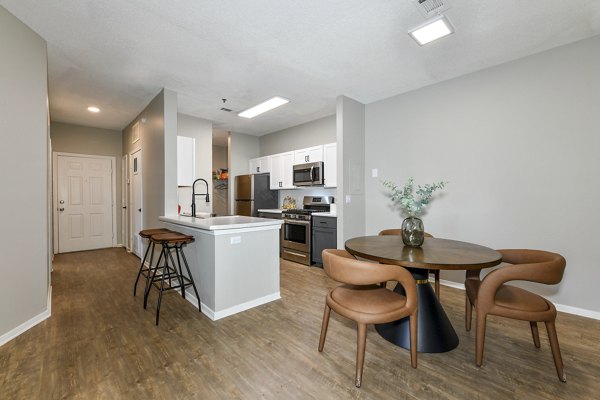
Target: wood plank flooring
101 344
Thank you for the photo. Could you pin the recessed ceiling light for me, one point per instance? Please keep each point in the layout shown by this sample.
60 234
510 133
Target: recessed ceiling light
93 109
263 107
431 30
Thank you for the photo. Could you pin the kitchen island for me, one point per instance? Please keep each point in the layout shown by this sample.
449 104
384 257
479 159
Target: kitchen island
234 261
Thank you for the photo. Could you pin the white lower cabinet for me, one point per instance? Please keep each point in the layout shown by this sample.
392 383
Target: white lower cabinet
282 171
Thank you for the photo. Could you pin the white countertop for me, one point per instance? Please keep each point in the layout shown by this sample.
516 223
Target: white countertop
325 214
220 223
271 210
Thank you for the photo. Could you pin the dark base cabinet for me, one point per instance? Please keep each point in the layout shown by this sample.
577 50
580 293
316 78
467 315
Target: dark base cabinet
324 236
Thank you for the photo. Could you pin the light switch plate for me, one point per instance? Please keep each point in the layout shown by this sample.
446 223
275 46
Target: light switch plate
235 240
374 172
348 198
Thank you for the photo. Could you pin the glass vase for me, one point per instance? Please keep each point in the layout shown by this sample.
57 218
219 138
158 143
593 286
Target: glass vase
413 232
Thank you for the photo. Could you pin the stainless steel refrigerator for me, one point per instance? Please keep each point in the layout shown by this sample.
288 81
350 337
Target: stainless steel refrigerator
252 193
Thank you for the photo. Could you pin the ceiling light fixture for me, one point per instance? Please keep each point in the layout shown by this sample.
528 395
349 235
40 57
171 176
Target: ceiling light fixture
432 30
263 107
93 109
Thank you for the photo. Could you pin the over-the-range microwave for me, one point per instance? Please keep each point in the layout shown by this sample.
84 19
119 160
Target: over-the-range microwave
310 174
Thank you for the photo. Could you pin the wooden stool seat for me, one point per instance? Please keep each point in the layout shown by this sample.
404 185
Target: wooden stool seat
172 238
146 233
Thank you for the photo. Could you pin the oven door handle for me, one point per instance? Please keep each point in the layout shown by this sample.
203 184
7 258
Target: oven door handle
294 222
312 173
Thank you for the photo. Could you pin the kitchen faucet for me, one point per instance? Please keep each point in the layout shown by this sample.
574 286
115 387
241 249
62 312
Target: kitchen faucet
194 194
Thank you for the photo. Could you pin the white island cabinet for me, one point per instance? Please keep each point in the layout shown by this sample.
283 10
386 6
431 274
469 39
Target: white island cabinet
234 261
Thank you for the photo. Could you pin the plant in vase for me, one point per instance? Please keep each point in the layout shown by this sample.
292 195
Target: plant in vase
412 207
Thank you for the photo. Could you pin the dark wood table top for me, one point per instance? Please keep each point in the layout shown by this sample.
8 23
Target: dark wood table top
434 254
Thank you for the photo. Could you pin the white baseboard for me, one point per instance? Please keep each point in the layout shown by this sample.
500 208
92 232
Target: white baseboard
560 307
13 333
216 315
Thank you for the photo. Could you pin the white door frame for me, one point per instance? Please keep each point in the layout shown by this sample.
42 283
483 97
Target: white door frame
130 197
125 201
112 159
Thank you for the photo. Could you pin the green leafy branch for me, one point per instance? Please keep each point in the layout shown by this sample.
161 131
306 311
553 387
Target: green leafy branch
404 196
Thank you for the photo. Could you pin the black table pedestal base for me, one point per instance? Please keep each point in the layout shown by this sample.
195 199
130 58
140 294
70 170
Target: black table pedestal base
435 332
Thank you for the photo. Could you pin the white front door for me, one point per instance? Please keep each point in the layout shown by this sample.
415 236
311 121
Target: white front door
84 196
135 168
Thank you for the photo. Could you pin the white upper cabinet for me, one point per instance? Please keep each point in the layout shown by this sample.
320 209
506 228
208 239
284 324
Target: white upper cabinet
186 162
260 165
311 154
330 164
282 171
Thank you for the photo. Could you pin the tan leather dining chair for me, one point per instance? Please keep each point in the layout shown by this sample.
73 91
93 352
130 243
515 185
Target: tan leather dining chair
492 296
361 300
435 272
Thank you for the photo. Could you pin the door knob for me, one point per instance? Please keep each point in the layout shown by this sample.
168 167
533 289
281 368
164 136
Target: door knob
61 209
62 202
139 209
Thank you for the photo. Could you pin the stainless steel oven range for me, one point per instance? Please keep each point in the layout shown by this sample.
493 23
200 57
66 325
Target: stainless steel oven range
297 228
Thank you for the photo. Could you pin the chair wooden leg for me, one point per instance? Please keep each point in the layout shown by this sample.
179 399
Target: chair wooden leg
413 339
383 284
535 333
480 338
436 274
558 363
468 313
360 353
324 326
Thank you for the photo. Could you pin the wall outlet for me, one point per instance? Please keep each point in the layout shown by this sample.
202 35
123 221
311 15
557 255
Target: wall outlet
235 240
374 172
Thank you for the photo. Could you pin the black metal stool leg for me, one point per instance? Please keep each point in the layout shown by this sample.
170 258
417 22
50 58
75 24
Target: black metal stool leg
177 248
162 282
150 280
150 244
150 269
192 281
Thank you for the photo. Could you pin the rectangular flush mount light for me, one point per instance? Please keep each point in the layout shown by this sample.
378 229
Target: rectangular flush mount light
264 107
431 30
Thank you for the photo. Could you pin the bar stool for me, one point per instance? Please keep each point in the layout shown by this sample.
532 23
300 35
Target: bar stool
145 234
171 241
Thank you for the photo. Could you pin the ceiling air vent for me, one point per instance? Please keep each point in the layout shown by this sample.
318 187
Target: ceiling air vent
225 109
430 8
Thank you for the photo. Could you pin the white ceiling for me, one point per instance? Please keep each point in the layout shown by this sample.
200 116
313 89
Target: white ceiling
118 54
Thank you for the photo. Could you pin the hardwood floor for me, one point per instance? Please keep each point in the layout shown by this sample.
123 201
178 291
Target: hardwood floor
101 343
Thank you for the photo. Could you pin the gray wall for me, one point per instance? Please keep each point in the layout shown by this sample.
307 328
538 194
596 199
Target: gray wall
519 144
350 127
24 181
69 138
201 130
314 133
241 148
152 143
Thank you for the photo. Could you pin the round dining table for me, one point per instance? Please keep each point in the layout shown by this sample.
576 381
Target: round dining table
435 332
